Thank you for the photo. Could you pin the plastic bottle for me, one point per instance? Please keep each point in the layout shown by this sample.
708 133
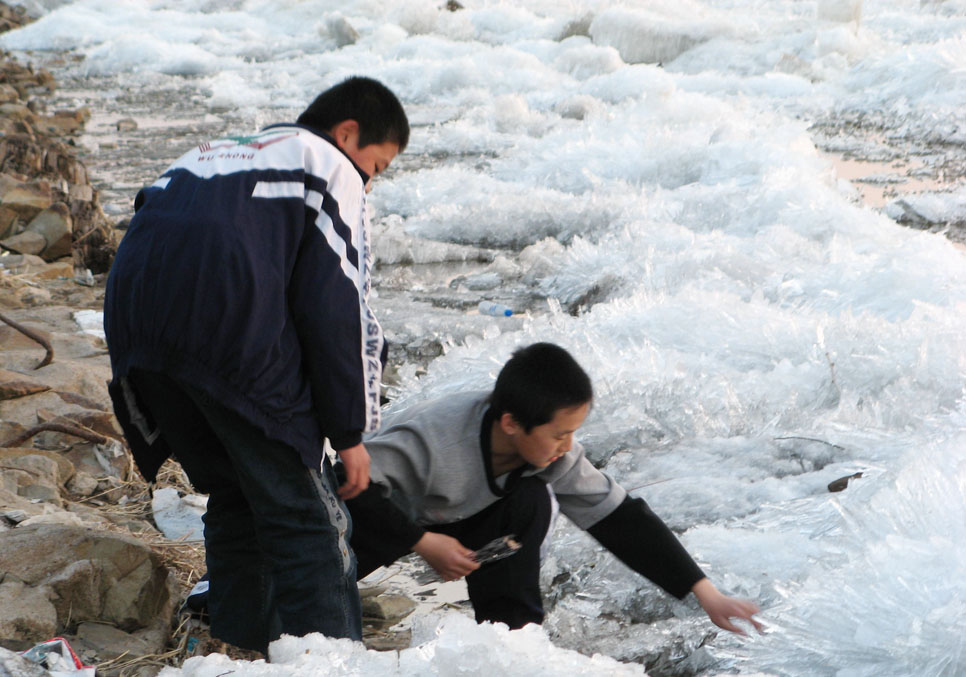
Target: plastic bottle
495 309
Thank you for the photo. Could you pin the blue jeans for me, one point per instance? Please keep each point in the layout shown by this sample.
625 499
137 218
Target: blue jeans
276 534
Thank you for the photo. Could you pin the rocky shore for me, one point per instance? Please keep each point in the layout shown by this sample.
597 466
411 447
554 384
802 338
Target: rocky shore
81 556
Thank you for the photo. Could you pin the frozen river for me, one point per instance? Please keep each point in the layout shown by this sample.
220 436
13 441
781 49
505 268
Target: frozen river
661 187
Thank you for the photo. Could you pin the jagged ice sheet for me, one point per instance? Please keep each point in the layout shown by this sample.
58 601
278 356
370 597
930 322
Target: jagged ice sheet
752 330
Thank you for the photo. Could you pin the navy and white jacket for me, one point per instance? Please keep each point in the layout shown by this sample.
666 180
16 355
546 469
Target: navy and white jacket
245 273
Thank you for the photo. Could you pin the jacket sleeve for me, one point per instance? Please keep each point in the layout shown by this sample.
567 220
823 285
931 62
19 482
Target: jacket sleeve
341 340
642 541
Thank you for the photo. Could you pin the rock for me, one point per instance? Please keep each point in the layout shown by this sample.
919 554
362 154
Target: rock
371 590
25 243
842 483
82 484
17 509
18 111
14 665
23 264
86 380
10 221
126 125
387 607
25 198
65 469
32 476
92 575
65 122
27 613
81 401
100 460
341 30
14 516
30 296
100 422
111 489
54 271
9 430
8 94
65 519
56 227
109 642
84 193
14 384
13 343
23 410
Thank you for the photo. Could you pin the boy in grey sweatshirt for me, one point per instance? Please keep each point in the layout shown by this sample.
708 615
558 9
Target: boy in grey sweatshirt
451 475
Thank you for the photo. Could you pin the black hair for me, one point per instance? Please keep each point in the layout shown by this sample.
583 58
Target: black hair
536 382
380 116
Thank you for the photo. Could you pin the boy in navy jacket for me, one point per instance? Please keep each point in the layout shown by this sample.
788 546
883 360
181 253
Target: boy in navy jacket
240 336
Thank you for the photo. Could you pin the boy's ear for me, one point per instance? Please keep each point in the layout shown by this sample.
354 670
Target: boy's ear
346 134
509 425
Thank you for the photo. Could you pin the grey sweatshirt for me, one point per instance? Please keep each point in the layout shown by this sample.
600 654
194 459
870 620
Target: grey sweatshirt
428 460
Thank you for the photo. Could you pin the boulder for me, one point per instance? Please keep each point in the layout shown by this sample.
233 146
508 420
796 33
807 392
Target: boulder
82 484
12 340
105 461
109 642
343 32
64 471
14 384
34 474
100 422
54 224
65 122
91 575
30 296
23 264
25 243
81 401
26 613
53 271
387 607
25 198
8 94
16 509
18 111
23 410
10 221
65 375
14 665
64 518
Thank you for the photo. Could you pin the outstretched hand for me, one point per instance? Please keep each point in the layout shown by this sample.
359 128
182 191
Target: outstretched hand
446 555
356 462
721 608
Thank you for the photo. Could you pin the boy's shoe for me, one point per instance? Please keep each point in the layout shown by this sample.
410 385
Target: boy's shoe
196 603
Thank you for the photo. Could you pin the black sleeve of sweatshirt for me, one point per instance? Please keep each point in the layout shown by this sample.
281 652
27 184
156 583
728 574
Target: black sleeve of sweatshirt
389 526
642 541
379 526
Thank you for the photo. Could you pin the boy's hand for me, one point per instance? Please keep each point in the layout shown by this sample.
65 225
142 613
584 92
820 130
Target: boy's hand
356 462
446 555
721 608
